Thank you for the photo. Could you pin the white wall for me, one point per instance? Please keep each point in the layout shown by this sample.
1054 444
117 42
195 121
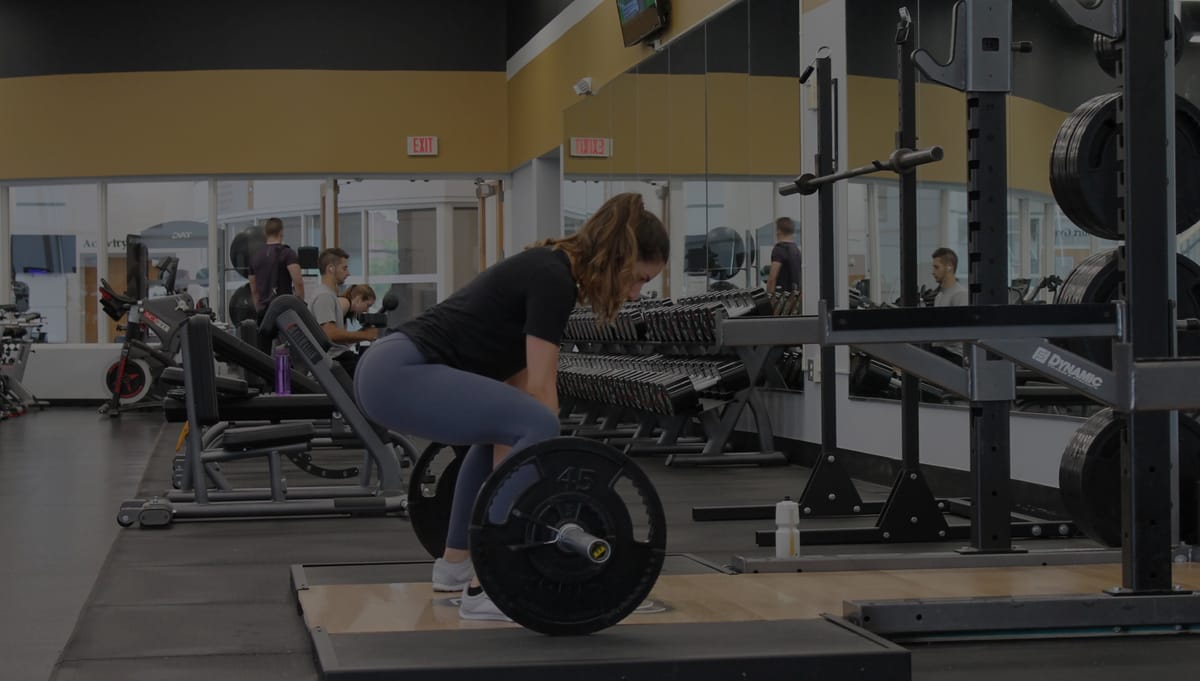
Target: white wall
132 207
1037 440
259 197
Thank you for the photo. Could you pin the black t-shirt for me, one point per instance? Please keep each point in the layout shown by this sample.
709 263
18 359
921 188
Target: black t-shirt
787 253
481 328
269 266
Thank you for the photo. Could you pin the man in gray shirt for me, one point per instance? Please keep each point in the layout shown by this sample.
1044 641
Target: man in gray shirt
945 268
330 309
950 292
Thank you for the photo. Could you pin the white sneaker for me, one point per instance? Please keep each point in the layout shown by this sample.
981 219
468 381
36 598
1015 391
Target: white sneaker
480 607
452 577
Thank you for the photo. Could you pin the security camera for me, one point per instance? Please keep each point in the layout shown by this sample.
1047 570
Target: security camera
583 87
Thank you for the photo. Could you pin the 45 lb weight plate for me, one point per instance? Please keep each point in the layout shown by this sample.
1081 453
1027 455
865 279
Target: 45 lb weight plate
568 536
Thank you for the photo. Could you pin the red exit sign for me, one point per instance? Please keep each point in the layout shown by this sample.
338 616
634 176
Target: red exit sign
591 147
423 145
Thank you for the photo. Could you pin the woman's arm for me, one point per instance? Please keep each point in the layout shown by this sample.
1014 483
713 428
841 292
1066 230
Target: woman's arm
541 371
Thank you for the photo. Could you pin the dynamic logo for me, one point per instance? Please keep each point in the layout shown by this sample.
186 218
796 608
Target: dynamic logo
1056 362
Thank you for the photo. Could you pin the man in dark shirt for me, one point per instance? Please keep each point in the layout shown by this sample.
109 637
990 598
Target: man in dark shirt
785 258
274 269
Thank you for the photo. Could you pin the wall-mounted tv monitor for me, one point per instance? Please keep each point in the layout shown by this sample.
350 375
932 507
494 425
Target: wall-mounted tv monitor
641 19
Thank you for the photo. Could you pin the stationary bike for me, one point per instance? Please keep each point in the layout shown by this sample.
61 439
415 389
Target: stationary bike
132 379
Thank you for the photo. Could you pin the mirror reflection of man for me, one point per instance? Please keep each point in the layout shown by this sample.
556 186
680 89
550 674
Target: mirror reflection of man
945 273
274 269
328 309
785 258
949 292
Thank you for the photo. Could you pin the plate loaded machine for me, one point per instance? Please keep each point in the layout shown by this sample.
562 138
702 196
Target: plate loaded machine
379 489
1145 385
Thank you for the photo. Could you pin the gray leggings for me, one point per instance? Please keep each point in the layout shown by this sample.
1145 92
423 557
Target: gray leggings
399 389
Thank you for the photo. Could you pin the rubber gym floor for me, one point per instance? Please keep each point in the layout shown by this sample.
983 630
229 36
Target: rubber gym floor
84 599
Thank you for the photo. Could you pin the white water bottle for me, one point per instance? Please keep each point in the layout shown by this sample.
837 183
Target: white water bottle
787 529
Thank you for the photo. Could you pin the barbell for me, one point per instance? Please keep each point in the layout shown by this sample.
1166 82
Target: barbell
567 537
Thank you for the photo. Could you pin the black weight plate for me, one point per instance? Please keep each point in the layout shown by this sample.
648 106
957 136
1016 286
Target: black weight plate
1097 280
243 247
1066 192
431 495
1079 199
1187 164
241 305
1091 149
1062 189
1089 477
541 586
1084 166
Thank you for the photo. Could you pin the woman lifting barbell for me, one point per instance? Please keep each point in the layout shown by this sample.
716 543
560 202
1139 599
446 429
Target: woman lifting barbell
480 367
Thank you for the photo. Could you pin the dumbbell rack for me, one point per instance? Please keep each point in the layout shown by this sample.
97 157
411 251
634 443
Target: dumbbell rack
19 331
661 361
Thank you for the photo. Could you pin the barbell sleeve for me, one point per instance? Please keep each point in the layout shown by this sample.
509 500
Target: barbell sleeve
574 539
903 159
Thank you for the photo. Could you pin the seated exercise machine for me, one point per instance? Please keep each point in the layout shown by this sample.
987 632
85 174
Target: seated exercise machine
378 489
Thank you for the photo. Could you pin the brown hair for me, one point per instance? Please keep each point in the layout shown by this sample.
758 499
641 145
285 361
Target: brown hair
331 256
785 226
948 257
359 291
603 252
273 227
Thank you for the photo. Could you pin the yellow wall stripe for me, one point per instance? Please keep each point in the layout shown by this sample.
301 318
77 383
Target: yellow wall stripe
540 92
251 121
942 120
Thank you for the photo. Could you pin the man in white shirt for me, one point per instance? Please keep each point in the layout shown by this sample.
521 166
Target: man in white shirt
331 309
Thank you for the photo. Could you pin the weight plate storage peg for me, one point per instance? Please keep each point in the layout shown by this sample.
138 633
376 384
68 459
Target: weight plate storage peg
431 495
1107 54
1089 478
568 536
1084 168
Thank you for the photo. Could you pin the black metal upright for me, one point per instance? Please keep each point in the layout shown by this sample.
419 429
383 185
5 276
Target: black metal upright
987 245
981 66
911 511
1146 147
829 490
827 249
906 138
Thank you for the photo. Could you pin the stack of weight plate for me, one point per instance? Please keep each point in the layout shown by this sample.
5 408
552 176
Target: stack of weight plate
1084 169
1097 280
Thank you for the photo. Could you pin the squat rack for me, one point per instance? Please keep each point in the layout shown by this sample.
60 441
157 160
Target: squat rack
1147 383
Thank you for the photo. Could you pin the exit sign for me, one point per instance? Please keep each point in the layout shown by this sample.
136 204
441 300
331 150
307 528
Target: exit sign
423 145
591 147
